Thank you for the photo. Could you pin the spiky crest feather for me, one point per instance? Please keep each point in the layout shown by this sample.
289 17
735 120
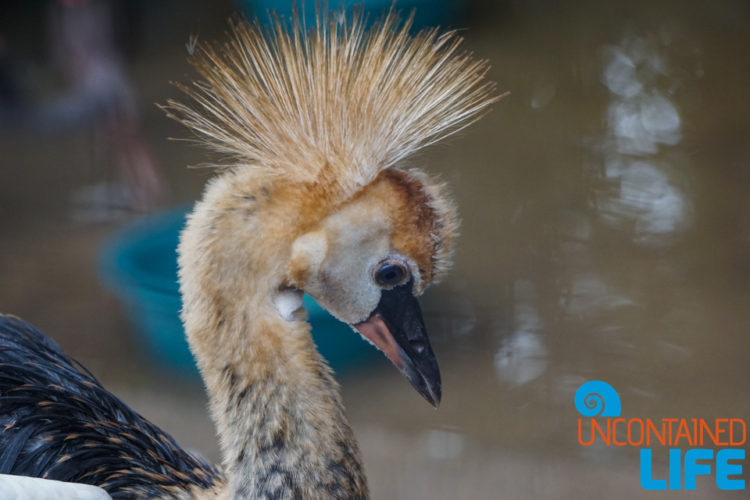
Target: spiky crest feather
290 101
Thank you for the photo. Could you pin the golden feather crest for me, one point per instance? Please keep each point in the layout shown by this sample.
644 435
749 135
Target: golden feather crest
288 100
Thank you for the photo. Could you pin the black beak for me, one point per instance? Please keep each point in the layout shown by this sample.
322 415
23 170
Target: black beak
396 327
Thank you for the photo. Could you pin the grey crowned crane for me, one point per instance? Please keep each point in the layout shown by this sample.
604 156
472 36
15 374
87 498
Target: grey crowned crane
312 125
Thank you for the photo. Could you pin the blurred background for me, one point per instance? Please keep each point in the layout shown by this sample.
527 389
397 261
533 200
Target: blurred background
606 230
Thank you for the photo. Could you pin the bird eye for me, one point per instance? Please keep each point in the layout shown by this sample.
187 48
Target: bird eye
390 274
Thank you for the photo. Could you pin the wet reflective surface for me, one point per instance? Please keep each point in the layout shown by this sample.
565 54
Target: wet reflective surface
606 235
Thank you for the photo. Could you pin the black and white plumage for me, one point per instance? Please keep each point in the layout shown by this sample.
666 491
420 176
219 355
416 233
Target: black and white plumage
58 422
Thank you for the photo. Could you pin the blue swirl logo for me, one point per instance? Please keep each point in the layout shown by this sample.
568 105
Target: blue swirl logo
598 399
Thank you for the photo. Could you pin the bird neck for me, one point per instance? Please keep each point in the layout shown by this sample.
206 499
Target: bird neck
277 408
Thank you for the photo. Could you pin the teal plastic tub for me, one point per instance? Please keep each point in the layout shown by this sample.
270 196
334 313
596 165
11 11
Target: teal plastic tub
139 263
427 13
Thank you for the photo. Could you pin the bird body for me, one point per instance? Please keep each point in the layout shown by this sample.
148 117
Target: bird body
310 125
58 422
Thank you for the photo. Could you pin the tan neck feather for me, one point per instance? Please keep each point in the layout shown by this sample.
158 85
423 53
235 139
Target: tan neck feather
276 406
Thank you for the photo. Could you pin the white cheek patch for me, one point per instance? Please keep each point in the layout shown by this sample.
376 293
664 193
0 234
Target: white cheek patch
288 302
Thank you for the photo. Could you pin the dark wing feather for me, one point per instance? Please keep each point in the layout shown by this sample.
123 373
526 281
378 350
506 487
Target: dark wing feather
58 422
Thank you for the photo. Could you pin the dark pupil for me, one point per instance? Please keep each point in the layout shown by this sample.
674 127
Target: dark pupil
390 274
